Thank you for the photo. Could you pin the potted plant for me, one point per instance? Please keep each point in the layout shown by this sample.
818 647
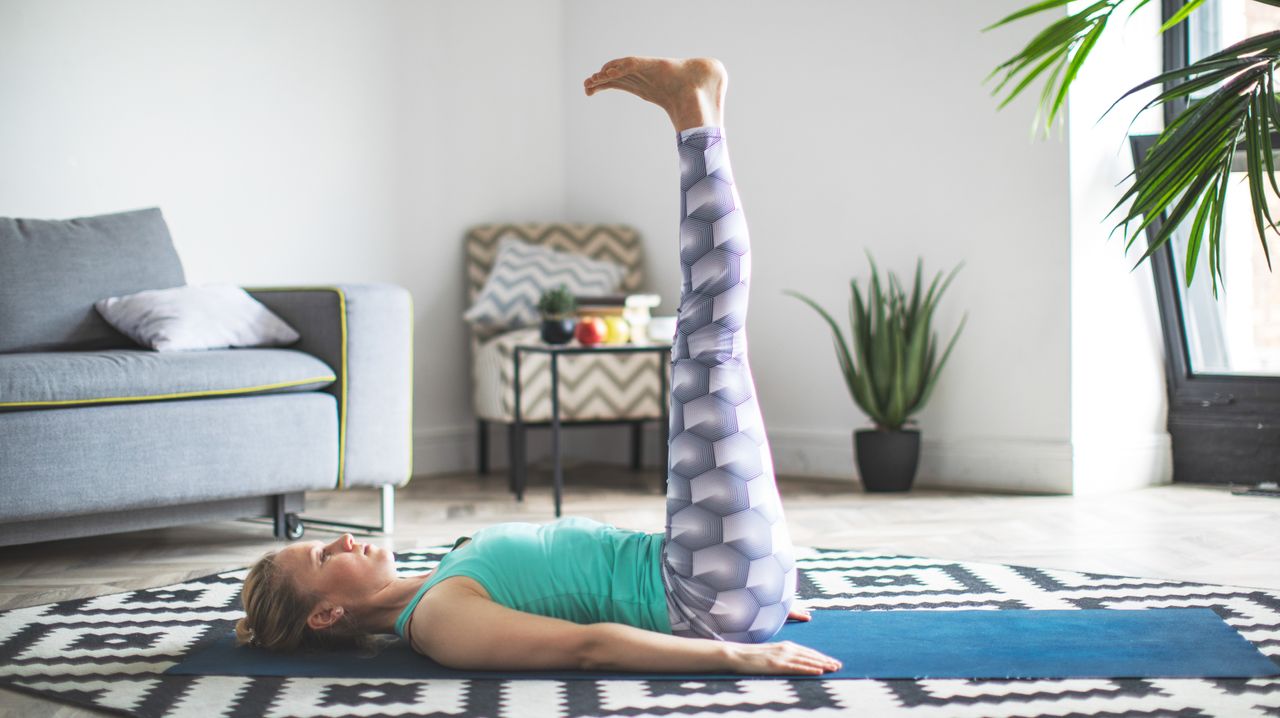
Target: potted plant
890 369
557 307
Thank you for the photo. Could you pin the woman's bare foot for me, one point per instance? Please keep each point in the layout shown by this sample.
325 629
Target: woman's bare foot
690 90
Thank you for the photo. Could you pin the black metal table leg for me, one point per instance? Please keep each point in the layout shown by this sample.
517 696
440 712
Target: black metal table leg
512 456
519 428
518 454
555 430
637 444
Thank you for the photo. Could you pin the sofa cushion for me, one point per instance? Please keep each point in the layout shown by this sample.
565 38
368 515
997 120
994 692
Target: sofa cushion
213 316
87 459
58 379
51 273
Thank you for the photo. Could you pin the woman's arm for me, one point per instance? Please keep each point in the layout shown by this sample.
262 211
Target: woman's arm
618 647
460 629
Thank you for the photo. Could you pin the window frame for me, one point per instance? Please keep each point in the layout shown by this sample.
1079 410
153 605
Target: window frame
1225 427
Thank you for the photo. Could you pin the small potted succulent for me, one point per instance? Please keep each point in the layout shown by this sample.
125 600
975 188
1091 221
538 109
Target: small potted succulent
890 371
557 307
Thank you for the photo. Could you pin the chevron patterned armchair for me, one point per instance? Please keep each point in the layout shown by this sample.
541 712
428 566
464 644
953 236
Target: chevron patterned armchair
618 389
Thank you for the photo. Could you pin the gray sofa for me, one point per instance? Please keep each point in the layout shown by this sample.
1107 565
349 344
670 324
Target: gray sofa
98 435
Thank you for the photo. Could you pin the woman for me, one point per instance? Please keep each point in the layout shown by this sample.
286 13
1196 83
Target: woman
578 594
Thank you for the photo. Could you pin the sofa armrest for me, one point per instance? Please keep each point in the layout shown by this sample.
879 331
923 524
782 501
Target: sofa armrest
365 333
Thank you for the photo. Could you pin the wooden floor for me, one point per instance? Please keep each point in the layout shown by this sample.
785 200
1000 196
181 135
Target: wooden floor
1196 533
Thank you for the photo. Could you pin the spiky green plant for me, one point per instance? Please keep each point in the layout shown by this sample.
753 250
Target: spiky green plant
1185 175
890 367
557 302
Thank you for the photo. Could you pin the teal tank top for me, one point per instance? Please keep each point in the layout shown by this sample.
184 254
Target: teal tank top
576 569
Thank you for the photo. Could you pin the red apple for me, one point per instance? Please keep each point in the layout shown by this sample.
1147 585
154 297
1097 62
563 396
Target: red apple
590 331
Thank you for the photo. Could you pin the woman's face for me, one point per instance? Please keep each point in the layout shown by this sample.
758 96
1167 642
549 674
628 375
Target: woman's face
344 572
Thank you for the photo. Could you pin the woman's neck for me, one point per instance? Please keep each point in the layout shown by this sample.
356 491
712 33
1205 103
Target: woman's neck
385 606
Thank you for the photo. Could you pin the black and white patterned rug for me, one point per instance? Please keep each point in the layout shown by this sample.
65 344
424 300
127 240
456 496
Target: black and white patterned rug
110 652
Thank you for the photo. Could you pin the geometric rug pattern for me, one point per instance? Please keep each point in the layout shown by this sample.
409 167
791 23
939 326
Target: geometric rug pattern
109 653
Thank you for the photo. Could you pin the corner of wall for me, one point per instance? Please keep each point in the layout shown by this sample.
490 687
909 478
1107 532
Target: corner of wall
1119 439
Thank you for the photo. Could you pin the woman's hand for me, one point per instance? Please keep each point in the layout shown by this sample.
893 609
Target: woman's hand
783 657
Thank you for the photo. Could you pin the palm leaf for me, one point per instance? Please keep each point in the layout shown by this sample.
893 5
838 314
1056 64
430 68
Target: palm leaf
1030 10
1064 45
1182 14
1186 173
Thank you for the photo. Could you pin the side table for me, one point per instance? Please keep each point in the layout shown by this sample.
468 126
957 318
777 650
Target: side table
554 352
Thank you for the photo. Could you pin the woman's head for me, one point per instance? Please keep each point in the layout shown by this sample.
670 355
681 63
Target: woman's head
311 595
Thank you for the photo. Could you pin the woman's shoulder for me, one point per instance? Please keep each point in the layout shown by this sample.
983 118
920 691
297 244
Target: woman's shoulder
443 600
453 588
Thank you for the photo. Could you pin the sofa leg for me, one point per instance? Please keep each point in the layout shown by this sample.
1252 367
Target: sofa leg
386 520
388 508
285 524
277 516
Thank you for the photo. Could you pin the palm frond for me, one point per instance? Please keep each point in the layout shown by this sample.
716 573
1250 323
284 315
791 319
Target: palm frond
1063 46
1185 175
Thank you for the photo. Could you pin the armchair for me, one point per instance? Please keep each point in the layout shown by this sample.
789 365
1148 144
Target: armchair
618 389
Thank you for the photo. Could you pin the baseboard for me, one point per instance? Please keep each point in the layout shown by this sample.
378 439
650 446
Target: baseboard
983 464
1030 466
1122 463
453 449
976 464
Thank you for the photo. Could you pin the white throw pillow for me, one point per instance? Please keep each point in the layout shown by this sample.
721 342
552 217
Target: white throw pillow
214 316
522 272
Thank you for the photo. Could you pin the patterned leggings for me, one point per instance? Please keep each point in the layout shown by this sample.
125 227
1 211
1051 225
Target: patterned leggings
727 559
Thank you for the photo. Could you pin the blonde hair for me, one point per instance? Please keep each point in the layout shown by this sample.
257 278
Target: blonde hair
276 610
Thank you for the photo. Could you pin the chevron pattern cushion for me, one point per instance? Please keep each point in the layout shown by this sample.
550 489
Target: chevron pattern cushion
616 243
607 386
603 387
522 272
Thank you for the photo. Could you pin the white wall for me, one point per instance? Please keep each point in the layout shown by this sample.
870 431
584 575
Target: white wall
268 135
1118 404
857 125
483 143
322 141
296 142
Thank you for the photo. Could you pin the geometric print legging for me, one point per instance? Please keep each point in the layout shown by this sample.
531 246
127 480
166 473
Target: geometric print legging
727 561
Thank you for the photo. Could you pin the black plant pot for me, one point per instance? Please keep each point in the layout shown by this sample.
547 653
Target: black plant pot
558 331
887 460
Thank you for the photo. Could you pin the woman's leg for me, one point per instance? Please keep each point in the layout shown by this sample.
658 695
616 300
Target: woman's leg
728 562
729 567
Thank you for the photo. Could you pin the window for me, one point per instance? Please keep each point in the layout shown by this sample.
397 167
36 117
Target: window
1239 332
1222 355
1220 23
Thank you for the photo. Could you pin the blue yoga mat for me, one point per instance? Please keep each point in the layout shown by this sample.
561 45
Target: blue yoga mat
1158 643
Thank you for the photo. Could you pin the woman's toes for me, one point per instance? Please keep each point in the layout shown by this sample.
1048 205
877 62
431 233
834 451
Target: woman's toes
593 89
617 68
